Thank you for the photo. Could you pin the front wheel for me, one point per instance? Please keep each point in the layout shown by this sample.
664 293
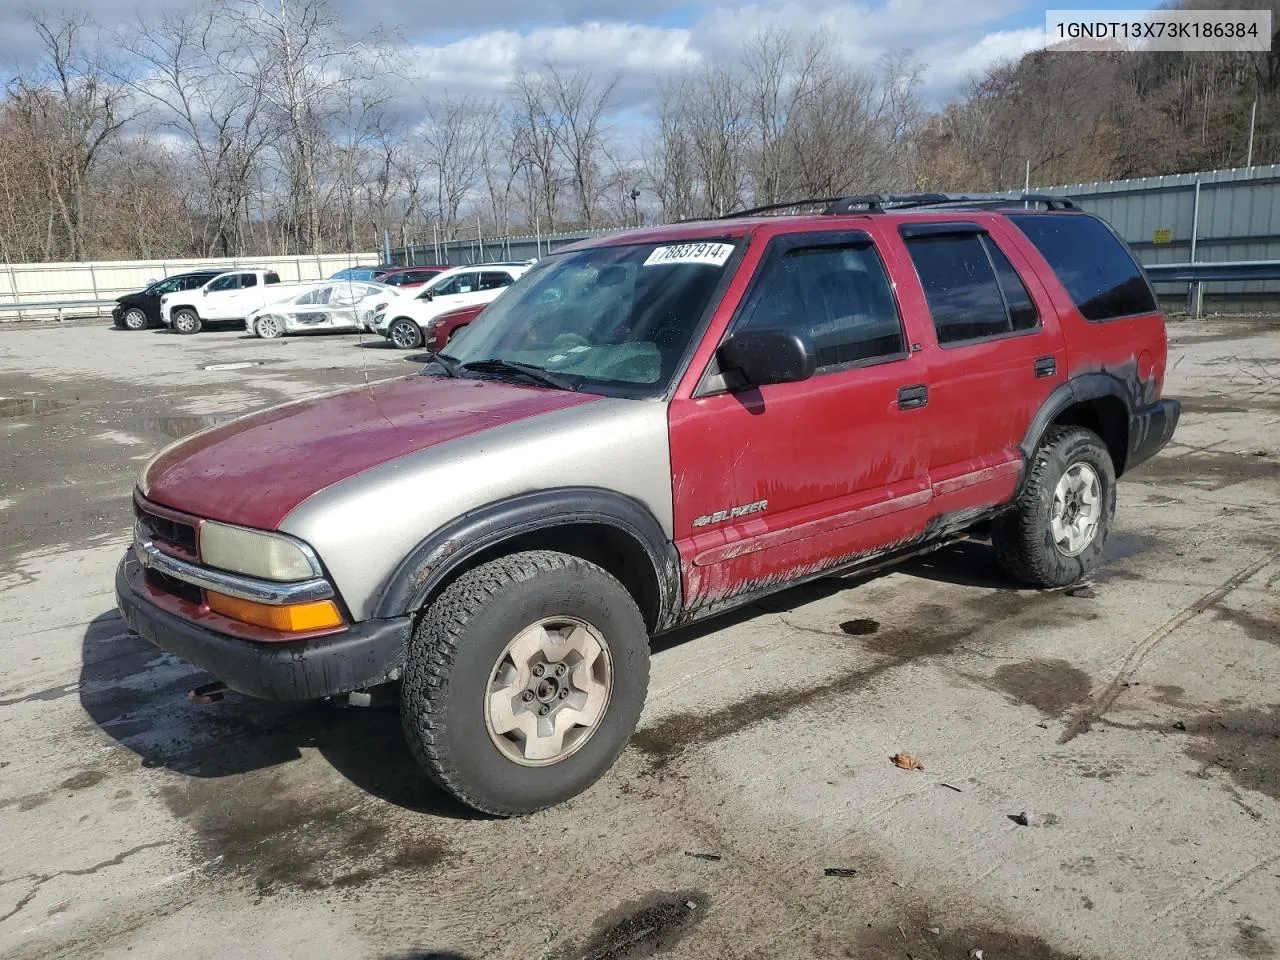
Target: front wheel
1060 523
268 328
405 334
186 321
135 319
524 681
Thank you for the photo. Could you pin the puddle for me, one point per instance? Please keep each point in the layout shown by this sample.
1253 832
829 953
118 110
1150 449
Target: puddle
32 406
178 427
237 365
860 628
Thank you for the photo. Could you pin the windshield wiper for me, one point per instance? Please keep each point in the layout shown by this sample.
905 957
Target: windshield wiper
528 370
447 364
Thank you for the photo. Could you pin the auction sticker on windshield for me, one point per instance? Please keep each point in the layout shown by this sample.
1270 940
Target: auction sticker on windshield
714 254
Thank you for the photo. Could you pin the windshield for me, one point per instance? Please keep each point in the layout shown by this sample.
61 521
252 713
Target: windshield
615 319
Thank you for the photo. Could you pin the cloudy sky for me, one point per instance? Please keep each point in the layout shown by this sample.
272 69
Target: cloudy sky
478 44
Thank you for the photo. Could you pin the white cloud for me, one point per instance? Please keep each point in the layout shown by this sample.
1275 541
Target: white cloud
488 61
950 64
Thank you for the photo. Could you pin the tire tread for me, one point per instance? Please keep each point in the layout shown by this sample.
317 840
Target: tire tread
1018 536
434 647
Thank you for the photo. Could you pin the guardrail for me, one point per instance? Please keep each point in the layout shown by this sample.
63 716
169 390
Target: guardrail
1196 275
55 309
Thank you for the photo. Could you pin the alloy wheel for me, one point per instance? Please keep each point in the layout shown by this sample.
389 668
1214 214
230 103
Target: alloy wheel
548 691
1076 509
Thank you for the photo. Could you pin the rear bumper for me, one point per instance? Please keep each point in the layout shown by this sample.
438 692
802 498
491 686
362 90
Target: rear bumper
366 654
1150 429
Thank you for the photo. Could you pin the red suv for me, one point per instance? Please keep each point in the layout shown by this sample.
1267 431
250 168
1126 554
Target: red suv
648 429
444 327
407 277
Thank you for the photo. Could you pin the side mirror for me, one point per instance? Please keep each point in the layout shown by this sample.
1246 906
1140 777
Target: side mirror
204 291
768 355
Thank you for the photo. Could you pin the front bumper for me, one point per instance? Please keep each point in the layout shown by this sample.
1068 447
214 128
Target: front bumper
1150 428
365 654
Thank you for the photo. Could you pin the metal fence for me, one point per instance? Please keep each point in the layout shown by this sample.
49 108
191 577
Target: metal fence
30 291
1195 218
457 253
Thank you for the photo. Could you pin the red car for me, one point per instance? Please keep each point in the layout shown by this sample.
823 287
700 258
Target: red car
411 276
441 330
649 429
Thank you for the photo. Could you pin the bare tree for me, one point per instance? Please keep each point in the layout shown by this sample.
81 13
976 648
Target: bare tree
307 66
455 134
578 104
214 104
536 135
70 108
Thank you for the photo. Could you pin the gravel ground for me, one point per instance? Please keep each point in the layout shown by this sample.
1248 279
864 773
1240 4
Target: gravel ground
1101 771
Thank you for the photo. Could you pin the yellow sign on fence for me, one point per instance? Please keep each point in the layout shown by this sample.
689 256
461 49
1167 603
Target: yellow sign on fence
1162 235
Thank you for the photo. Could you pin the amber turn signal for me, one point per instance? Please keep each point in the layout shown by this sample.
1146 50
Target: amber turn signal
290 618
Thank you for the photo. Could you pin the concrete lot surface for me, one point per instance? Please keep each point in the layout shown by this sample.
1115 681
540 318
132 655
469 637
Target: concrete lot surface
1137 726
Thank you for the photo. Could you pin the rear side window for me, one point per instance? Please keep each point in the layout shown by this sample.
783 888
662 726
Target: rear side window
838 294
230 281
271 277
248 280
1022 312
494 280
973 291
1095 267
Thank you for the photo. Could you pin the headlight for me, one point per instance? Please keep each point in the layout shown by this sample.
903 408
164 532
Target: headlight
256 554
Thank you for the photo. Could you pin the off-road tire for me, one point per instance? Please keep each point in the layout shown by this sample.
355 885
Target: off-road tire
134 319
451 658
410 343
190 317
1022 538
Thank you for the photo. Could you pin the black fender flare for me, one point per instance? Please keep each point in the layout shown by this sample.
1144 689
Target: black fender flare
1085 387
1089 386
450 547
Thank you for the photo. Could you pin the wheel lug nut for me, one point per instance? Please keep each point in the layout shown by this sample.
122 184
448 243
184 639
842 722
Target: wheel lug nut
539 670
560 669
564 693
527 696
544 711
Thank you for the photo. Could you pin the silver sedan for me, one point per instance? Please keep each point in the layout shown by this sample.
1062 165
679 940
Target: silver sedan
338 305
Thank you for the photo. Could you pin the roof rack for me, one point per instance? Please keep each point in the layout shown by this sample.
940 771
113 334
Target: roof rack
880 202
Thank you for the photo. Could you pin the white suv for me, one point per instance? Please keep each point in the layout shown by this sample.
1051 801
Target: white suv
228 296
404 318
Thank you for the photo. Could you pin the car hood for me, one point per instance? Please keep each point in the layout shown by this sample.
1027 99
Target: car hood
255 470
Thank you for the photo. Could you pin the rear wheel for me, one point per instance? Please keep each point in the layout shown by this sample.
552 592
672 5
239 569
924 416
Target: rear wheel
135 319
524 681
1063 515
186 321
405 334
268 327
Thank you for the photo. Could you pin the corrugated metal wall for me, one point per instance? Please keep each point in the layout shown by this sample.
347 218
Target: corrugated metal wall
1239 220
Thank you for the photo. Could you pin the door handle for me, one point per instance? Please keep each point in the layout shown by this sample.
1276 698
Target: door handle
913 397
1046 366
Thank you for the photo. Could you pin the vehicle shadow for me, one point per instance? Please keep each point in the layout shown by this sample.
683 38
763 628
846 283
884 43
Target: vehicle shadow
967 563
137 695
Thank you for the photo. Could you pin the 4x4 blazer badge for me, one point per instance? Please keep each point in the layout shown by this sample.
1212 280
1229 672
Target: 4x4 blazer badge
732 513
